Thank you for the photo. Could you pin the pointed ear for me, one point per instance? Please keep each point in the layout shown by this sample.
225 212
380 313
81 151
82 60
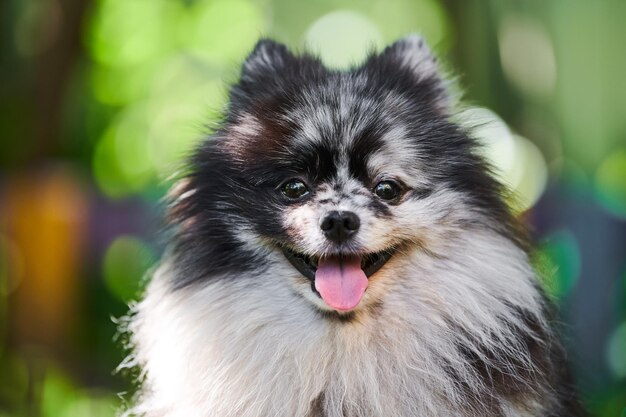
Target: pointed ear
267 57
269 70
413 55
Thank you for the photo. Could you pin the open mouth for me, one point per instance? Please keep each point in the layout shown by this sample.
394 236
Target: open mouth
307 265
340 280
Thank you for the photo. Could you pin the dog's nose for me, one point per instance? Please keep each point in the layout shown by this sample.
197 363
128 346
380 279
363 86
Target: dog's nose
339 226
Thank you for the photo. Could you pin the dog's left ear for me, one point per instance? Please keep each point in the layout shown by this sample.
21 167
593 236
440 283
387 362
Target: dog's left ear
412 55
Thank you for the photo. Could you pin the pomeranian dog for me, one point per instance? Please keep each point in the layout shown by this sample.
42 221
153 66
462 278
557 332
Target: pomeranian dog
339 249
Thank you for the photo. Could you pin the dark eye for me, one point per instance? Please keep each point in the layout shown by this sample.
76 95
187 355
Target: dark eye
387 190
294 189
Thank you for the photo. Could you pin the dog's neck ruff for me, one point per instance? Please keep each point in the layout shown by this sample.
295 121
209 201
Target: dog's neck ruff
249 347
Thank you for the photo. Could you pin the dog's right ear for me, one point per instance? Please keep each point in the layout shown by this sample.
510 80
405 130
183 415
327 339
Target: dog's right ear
419 66
266 59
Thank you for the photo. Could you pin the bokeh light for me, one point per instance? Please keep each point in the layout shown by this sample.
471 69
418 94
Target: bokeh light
532 182
527 55
148 140
189 105
116 86
516 161
175 89
129 33
342 38
60 398
223 31
125 262
616 352
429 18
610 182
559 262
122 162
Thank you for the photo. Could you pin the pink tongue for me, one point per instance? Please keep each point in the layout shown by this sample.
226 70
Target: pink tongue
340 282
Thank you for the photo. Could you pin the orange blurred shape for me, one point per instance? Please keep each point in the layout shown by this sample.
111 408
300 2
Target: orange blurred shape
45 215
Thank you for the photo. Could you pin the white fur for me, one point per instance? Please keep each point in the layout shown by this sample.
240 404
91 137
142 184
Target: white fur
416 55
246 346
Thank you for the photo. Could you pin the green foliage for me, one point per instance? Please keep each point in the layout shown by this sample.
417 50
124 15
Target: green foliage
153 80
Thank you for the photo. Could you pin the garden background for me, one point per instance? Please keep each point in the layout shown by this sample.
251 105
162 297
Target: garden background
100 100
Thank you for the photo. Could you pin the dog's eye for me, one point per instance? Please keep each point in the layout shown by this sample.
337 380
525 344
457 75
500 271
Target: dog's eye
294 189
387 190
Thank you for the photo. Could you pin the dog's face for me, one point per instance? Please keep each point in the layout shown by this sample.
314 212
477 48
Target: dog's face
341 173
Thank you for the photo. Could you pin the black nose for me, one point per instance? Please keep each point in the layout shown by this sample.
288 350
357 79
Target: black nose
338 226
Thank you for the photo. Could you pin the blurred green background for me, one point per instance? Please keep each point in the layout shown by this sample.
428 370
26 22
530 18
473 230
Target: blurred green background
101 99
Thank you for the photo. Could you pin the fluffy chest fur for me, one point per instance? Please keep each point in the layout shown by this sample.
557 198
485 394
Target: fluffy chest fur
440 343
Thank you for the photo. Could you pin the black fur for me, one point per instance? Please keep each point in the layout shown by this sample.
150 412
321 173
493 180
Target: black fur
275 83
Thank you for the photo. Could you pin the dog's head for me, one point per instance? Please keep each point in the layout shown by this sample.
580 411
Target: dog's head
340 173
